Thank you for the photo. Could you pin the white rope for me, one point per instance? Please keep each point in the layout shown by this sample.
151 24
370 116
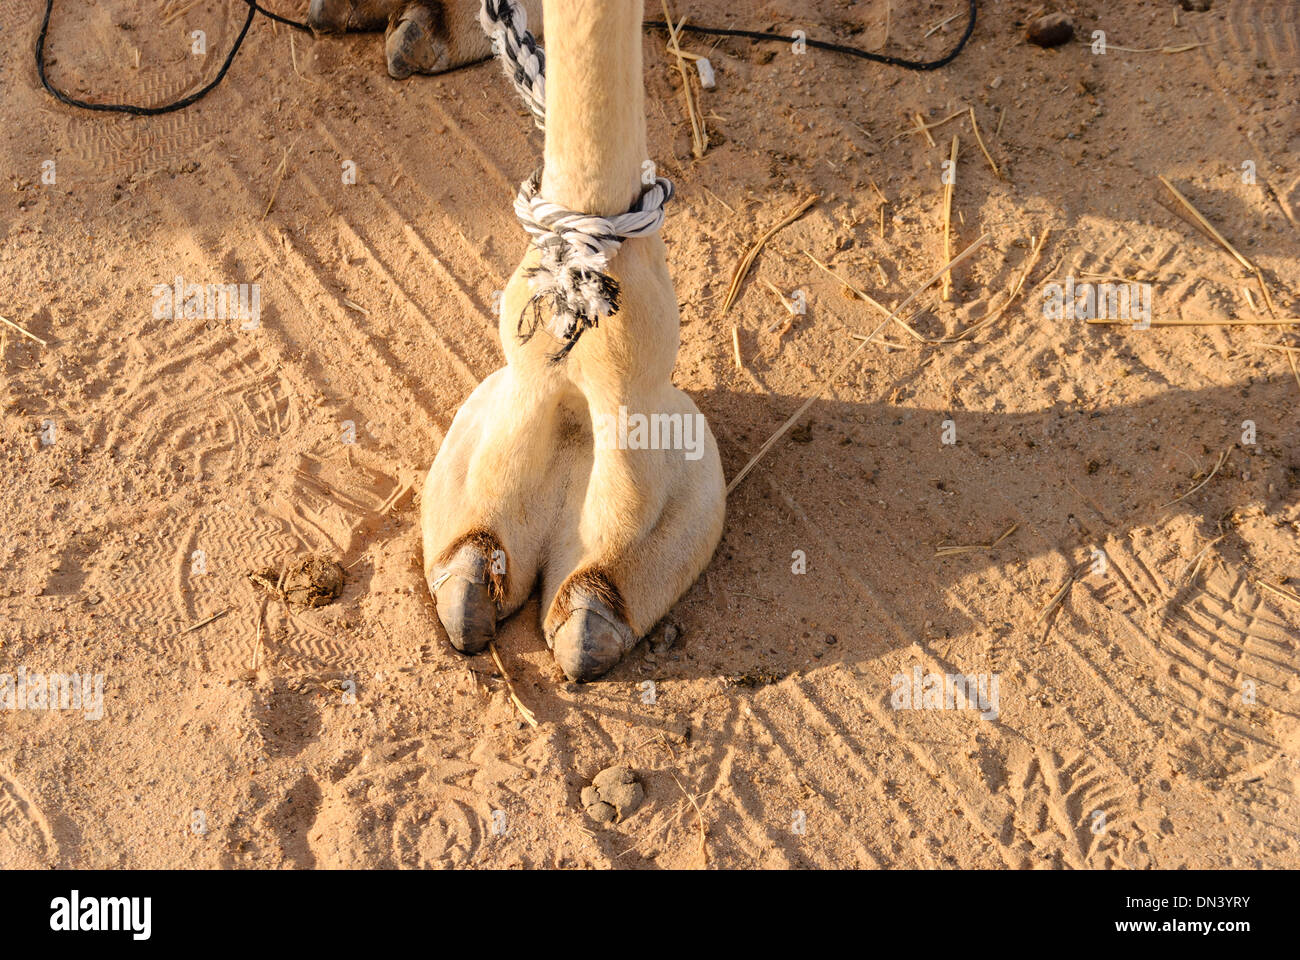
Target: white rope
506 22
576 247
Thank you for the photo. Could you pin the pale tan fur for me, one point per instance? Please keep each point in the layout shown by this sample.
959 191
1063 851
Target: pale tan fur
519 460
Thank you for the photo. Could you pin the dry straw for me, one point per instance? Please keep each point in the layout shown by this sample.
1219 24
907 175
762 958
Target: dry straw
26 333
747 261
1236 254
699 135
1222 457
983 149
950 182
821 388
975 547
524 712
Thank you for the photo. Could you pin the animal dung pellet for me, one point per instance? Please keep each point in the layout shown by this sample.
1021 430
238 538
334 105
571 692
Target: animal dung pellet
614 793
1051 30
312 582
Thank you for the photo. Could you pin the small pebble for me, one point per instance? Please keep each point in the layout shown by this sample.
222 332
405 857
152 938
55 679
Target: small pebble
1051 30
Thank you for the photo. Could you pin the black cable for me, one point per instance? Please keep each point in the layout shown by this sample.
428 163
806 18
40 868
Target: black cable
836 47
254 8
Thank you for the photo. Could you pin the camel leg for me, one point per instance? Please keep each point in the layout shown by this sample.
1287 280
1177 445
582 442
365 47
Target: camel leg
647 521
535 469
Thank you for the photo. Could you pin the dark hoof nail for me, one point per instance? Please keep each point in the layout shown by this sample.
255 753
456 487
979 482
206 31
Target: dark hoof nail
467 613
590 642
464 600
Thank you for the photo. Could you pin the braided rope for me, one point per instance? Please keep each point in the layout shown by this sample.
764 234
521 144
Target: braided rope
506 22
576 248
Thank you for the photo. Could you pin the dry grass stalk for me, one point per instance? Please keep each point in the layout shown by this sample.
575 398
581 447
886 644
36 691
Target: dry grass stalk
26 333
785 301
524 712
720 200
1222 457
257 644
704 844
1276 590
975 547
1194 565
983 149
920 124
922 127
1035 252
889 344
747 261
735 348
177 13
1236 254
1181 48
293 57
821 387
940 25
1258 322
951 182
699 136
861 295
280 172
204 623
1056 600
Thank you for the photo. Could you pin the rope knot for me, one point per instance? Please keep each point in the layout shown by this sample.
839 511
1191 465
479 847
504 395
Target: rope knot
570 278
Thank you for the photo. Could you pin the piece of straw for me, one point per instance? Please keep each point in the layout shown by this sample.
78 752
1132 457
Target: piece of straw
699 137
524 712
924 129
975 547
704 845
920 127
742 268
983 149
26 333
1030 262
1056 600
1209 228
203 623
946 288
1277 590
1222 457
1257 322
821 388
280 170
861 295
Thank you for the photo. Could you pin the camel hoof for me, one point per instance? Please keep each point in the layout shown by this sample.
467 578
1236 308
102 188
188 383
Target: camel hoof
414 43
463 596
591 641
341 16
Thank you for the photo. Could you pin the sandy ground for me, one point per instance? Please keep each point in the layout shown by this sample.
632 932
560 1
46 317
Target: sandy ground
186 453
